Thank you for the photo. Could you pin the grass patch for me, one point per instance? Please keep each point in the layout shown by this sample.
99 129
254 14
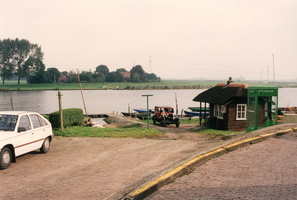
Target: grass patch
191 121
163 85
129 131
216 133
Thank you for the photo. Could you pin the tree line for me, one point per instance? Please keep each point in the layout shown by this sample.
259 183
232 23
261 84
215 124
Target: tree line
21 59
102 75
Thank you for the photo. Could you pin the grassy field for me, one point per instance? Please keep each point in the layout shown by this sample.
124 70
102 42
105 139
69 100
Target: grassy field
165 84
134 131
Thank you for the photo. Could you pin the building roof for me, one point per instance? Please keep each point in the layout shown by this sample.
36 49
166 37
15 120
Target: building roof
222 94
125 74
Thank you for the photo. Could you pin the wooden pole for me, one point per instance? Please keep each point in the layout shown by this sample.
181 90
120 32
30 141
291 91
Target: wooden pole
11 103
176 105
82 96
60 109
273 70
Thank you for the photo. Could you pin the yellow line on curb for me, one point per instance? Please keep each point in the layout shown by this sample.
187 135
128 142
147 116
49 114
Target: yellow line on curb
174 171
188 163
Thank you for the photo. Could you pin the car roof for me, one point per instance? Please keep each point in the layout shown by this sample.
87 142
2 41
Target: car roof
163 107
16 112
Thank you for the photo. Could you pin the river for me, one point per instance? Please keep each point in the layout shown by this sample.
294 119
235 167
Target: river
113 101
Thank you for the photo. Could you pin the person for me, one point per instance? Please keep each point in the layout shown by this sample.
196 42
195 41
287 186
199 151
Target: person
163 114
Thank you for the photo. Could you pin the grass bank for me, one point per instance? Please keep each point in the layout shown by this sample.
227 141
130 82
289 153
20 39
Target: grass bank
134 131
163 85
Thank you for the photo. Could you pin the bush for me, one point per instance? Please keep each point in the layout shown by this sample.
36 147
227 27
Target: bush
71 117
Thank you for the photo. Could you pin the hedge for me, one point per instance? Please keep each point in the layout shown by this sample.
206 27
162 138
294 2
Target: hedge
71 117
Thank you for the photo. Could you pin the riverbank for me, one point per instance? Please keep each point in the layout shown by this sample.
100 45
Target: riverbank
163 85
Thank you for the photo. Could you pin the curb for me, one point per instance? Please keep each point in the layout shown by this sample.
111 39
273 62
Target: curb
190 165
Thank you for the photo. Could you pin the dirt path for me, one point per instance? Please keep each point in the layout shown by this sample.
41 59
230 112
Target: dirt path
96 168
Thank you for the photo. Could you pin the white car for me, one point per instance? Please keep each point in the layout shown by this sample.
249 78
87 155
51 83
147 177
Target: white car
22 132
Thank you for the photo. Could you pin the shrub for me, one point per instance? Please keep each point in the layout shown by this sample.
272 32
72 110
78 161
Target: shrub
71 117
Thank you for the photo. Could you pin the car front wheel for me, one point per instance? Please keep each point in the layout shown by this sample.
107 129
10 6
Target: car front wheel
45 146
5 158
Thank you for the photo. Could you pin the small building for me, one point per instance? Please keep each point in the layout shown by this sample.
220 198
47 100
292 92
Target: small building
63 78
237 107
126 75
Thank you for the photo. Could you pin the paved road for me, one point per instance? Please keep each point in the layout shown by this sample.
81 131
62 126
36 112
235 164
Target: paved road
266 170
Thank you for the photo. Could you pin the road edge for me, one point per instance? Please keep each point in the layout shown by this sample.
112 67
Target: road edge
188 166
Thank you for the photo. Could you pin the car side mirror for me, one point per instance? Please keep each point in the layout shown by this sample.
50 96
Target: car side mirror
21 129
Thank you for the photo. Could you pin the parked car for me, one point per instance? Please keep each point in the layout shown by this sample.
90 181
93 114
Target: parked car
22 132
164 115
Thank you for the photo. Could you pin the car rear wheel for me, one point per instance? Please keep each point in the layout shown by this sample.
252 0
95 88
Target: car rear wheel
45 146
154 120
5 158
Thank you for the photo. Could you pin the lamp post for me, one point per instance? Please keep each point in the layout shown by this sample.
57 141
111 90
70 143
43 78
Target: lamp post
148 114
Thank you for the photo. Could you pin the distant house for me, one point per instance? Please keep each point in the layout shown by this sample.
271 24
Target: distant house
237 107
63 78
126 75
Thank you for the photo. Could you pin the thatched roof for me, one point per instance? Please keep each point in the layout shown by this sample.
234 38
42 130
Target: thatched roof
221 94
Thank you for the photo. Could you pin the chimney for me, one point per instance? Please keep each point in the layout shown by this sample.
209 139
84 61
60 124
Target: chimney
230 81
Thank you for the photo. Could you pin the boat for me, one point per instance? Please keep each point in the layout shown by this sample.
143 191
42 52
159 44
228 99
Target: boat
192 113
133 114
143 110
198 109
143 117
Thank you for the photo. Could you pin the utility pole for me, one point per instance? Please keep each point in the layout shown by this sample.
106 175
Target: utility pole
150 64
148 110
268 73
273 70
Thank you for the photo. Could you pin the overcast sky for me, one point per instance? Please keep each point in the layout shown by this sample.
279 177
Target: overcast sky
180 39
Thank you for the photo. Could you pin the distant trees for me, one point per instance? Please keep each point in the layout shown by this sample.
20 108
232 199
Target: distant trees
19 57
137 74
100 75
22 59
114 77
7 61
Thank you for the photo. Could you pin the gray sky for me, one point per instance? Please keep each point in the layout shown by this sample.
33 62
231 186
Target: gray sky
185 39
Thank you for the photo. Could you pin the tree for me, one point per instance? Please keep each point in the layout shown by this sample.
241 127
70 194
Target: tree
38 75
85 76
137 74
98 77
7 61
121 70
52 74
151 77
25 56
73 77
114 77
103 69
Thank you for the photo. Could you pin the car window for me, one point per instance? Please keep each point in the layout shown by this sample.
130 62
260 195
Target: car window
24 122
45 122
36 121
7 122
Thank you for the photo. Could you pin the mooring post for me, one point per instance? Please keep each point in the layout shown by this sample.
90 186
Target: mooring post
60 109
11 103
148 110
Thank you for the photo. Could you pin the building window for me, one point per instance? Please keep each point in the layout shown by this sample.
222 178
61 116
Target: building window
241 112
218 111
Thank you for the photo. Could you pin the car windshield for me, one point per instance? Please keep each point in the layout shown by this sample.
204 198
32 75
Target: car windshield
8 122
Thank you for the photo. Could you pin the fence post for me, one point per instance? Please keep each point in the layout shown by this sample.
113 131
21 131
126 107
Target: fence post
60 109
